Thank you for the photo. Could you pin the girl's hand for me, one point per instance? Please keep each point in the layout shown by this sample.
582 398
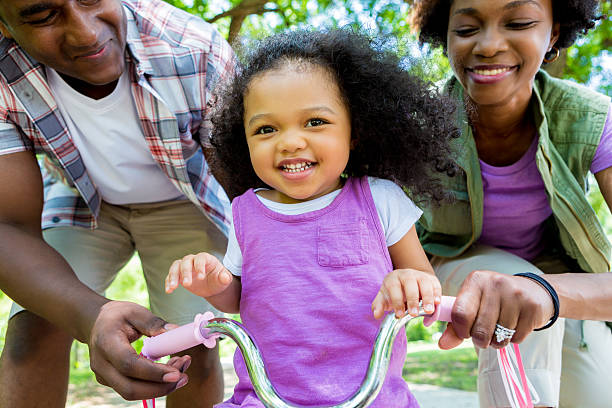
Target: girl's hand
402 289
201 274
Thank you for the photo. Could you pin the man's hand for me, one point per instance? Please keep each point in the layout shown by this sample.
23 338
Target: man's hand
115 361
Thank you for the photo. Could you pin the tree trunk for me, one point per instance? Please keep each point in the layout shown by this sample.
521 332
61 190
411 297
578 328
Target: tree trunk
239 13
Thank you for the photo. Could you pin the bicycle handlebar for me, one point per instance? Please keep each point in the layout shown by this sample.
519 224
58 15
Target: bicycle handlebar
205 330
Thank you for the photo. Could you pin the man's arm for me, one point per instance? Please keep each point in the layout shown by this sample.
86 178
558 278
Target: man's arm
38 278
31 272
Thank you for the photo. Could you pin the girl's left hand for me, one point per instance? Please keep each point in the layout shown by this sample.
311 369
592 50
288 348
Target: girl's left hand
402 289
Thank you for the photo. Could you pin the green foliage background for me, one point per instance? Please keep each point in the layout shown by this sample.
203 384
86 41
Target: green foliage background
584 59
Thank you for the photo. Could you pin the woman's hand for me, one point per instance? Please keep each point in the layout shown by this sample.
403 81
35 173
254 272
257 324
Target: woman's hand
402 289
487 298
202 274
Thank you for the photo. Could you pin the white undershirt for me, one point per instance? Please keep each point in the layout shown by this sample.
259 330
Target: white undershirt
109 138
396 212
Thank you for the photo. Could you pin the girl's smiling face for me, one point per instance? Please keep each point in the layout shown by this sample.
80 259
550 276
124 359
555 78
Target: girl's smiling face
496 47
298 130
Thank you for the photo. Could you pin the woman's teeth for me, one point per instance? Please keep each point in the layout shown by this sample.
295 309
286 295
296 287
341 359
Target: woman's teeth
491 72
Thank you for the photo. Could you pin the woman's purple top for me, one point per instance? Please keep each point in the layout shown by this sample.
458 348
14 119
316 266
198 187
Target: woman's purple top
515 202
308 281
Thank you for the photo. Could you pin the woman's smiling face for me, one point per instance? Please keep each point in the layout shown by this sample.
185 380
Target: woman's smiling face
496 47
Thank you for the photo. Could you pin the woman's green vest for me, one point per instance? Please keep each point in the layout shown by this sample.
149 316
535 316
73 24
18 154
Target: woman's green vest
570 120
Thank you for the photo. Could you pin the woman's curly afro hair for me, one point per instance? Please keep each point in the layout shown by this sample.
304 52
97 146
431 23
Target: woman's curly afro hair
400 126
576 17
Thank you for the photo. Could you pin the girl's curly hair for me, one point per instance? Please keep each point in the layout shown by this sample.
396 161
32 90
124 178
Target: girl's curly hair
576 17
400 126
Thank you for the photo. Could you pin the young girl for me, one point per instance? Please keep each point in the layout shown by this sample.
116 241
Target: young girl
324 245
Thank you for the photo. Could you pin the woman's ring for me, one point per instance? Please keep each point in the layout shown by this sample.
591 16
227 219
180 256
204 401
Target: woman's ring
502 333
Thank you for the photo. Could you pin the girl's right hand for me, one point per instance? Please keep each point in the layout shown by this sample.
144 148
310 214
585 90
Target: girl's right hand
201 274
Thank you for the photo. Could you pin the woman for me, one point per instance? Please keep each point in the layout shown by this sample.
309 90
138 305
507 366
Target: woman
528 142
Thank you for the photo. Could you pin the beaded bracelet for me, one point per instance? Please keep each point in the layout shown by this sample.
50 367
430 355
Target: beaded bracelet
551 291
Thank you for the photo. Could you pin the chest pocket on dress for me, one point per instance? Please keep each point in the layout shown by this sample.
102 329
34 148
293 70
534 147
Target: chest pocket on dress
344 244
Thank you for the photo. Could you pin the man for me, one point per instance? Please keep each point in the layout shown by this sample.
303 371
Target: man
113 97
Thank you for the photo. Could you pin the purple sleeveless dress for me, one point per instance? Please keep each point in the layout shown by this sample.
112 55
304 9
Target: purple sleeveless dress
308 281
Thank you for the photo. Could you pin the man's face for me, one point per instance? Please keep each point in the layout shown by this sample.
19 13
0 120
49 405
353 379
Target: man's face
81 39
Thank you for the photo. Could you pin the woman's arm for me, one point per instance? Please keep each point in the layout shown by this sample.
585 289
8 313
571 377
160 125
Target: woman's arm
604 180
583 296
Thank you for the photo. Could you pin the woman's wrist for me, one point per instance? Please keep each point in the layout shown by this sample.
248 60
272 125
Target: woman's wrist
551 291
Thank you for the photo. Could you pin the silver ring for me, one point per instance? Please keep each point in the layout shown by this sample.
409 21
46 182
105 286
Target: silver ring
502 333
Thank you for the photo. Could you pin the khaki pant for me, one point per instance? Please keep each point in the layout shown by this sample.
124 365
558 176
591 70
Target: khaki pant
159 232
563 373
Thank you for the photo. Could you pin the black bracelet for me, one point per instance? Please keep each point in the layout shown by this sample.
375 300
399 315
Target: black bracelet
551 291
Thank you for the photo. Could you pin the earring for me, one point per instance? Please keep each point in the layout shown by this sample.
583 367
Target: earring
554 50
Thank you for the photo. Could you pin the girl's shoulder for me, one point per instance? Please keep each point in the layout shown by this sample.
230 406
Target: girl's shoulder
381 185
386 193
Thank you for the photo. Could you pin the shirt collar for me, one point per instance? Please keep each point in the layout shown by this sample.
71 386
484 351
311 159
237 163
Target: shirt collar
134 46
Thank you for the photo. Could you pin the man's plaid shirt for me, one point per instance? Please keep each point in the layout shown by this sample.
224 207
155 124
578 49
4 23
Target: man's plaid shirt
174 61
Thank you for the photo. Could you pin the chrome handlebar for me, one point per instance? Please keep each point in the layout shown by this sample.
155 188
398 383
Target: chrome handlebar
156 347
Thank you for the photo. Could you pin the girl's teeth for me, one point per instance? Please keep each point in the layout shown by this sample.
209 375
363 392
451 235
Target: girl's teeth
294 168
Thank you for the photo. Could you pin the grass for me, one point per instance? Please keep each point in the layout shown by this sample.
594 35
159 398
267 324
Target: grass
457 368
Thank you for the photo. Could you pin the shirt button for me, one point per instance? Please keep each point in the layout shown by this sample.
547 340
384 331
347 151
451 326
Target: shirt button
55 219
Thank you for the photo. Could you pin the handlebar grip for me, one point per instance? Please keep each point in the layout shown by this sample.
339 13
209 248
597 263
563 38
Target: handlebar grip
179 339
442 312
170 342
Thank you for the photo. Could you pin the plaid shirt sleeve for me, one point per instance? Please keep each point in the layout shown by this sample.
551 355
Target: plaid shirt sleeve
11 141
220 67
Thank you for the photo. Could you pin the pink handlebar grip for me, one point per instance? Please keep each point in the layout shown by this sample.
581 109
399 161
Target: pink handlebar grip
170 342
442 312
179 339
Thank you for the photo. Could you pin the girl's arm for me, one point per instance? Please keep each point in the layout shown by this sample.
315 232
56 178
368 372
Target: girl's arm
413 279
204 275
408 253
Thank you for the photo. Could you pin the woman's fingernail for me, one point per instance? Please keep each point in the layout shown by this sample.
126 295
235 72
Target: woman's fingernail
429 307
181 383
171 377
185 366
438 299
414 311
